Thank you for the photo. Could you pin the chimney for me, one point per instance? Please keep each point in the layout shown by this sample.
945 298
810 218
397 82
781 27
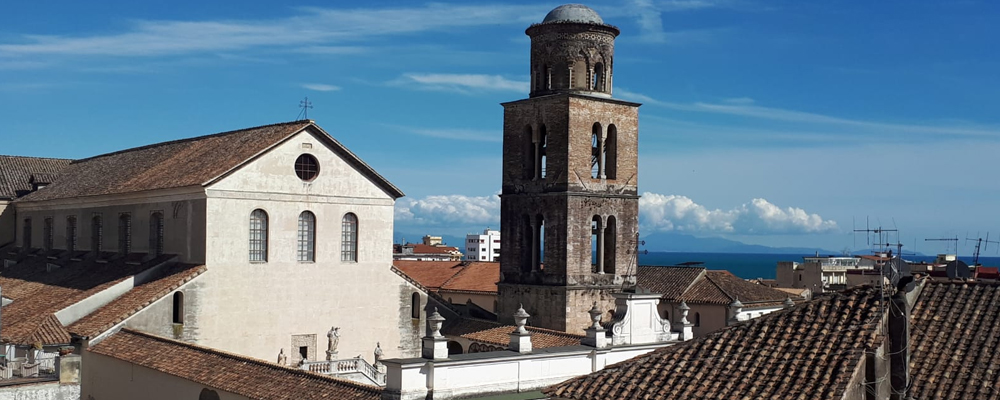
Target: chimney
899 338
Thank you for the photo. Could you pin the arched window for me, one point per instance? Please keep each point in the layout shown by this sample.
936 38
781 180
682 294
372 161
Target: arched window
178 307
697 319
47 233
527 245
207 394
543 150
610 153
539 242
26 233
598 79
307 237
156 234
96 233
666 315
610 244
415 305
596 245
71 233
124 233
529 153
349 238
454 348
596 151
258 236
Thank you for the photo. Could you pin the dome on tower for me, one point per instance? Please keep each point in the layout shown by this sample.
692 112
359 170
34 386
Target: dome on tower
573 13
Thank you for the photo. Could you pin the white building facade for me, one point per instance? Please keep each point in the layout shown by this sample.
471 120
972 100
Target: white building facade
484 247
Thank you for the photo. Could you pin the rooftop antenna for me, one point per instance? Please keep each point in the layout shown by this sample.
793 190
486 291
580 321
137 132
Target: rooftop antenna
883 235
980 243
954 239
633 262
305 105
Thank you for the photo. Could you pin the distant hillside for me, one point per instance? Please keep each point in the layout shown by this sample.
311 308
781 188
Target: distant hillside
678 242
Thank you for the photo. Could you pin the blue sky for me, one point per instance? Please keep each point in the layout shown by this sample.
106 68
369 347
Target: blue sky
770 122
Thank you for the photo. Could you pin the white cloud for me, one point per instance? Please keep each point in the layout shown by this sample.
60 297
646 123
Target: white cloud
462 82
320 87
449 210
758 217
314 29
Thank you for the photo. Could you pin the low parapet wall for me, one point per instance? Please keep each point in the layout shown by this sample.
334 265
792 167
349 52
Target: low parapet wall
466 375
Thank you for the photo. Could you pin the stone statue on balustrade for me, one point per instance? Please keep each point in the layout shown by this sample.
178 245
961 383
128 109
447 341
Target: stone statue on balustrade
333 339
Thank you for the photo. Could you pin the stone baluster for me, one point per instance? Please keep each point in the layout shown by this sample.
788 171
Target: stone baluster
686 327
435 345
596 334
736 307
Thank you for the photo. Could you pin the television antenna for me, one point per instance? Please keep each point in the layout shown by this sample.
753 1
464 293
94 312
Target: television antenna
633 261
883 236
980 244
954 239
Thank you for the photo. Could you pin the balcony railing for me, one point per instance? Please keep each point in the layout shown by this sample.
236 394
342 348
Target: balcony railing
347 366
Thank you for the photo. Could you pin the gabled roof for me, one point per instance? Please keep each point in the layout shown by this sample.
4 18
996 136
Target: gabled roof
955 341
16 173
475 277
697 285
228 372
187 162
133 301
429 274
808 351
39 292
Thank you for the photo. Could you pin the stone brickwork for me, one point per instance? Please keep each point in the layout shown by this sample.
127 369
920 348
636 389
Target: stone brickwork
570 177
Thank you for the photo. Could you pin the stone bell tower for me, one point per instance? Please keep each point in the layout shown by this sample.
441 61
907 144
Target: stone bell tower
569 204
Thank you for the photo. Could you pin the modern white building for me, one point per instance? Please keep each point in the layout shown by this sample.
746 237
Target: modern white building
485 247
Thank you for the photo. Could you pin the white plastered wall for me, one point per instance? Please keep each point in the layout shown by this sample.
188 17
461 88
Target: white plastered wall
255 308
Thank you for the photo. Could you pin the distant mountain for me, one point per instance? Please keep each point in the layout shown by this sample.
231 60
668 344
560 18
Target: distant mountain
679 242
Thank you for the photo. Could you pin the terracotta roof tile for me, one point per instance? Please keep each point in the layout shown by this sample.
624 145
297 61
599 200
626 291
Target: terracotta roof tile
808 351
430 274
181 163
671 282
39 293
229 372
475 277
955 341
135 300
16 172
495 333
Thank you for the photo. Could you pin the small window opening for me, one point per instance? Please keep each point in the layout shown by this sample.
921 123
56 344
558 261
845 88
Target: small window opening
415 305
178 308
306 167
304 352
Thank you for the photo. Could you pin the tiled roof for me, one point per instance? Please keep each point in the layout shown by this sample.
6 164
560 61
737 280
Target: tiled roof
955 341
491 332
698 285
671 282
228 372
39 293
430 274
135 300
810 351
475 277
181 163
419 248
16 172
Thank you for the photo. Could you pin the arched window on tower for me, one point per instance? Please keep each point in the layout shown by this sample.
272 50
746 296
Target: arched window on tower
548 77
598 77
596 155
125 233
527 245
610 244
596 239
96 234
540 156
529 153
611 153
258 236
307 237
156 234
415 305
539 243
71 233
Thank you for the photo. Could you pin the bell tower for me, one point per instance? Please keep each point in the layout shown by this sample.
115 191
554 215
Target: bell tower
569 204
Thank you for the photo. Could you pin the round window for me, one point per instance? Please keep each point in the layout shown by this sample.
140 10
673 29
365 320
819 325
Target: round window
306 167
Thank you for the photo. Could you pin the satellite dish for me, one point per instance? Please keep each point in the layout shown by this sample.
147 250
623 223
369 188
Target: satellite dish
898 272
957 269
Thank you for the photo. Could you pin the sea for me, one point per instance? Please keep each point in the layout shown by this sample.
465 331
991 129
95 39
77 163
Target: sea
749 266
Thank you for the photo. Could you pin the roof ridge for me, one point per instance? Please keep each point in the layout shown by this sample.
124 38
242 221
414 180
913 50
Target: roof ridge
718 286
36 158
251 360
191 139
